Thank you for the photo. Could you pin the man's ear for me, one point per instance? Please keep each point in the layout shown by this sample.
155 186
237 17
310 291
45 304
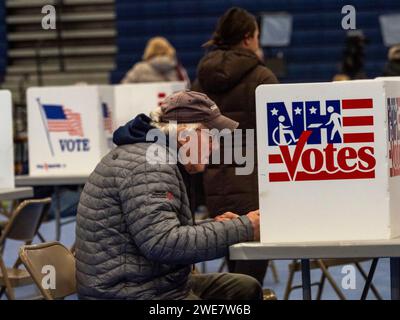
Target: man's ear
182 138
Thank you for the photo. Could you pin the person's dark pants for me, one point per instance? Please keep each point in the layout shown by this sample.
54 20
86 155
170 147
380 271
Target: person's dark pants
254 268
224 286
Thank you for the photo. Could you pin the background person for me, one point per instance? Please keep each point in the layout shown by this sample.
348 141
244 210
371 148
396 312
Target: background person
159 64
392 68
229 74
353 60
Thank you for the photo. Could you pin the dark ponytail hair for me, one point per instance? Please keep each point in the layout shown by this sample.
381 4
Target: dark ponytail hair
232 28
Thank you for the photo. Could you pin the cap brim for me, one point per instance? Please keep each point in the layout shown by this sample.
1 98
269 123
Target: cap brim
221 122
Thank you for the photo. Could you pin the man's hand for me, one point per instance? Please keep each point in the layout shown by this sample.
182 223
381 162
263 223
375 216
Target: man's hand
226 216
254 217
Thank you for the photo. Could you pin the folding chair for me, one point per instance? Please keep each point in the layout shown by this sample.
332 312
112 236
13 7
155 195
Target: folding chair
35 257
323 265
23 225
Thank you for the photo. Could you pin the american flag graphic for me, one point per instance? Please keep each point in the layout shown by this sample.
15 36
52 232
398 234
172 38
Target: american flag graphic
393 107
315 124
107 117
60 119
161 96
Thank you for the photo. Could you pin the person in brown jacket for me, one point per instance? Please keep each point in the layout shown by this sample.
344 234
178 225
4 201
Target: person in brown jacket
229 74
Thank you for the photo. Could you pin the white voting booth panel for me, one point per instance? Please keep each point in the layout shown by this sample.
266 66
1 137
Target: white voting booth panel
6 141
328 156
67 128
132 99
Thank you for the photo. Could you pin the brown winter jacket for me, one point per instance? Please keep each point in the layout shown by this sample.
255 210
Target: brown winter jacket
230 78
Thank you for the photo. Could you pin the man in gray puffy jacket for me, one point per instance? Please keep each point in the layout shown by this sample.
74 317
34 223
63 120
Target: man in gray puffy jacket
136 238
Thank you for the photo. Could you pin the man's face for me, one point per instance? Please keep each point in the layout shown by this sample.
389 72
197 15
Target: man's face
197 147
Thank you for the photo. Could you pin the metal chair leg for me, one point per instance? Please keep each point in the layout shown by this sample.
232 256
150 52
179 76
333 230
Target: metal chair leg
321 286
289 283
7 283
222 266
274 271
41 238
368 280
330 279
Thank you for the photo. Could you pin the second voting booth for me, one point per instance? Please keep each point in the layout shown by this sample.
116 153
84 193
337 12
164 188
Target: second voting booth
6 141
68 128
329 161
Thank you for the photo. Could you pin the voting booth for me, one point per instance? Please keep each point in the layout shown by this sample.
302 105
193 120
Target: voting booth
6 141
329 161
107 101
68 128
132 99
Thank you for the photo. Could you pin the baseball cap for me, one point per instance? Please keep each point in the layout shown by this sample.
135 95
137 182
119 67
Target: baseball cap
195 107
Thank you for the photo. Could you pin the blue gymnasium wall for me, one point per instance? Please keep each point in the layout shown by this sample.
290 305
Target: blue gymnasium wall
317 39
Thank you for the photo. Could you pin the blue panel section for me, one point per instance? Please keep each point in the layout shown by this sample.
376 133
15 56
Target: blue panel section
54 112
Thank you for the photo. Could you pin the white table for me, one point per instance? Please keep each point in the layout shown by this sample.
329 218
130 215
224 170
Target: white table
56 182
306 251
36 181
15 193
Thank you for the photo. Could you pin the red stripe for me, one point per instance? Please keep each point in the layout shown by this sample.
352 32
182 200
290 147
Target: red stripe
275 158
358 121
72 124
278 176
304 176
357 104
358 137
58 126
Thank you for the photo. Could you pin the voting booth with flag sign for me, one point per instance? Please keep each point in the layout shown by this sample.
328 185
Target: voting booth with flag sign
67 128
329 161
133 99
6 141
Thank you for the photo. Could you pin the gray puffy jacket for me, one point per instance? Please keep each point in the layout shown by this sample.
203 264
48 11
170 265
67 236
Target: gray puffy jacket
135 233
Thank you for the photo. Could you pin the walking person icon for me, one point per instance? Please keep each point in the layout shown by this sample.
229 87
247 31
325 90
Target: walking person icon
335 120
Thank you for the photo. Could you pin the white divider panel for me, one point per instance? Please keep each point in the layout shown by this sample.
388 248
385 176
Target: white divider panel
132 99
66 128
6 141
328 156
